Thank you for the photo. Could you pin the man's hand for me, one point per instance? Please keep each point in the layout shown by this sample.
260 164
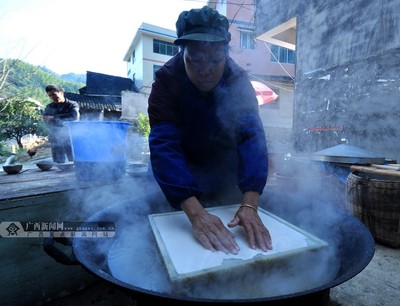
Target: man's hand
208 229
257 234
212 234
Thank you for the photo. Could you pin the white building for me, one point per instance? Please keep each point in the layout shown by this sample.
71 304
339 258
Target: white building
150 49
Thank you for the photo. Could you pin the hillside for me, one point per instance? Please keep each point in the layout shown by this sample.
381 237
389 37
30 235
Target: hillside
18 78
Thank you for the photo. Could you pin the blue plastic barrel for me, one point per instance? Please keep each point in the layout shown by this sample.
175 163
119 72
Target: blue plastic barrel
99 149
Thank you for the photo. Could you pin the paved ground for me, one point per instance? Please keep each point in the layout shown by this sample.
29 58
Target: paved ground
377 285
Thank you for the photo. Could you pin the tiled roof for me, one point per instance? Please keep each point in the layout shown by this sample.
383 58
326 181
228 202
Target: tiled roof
104 84
102 92
108 103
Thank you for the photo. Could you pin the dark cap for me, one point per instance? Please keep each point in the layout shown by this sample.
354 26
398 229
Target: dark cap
204 24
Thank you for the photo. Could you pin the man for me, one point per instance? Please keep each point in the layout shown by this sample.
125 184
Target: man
54 115
207 142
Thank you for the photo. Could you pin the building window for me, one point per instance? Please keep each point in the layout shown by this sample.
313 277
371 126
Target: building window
282 55
247 39
155 68
133 57
163 47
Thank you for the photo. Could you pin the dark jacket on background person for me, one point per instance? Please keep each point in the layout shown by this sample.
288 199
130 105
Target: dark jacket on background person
204 143
67 111
59 133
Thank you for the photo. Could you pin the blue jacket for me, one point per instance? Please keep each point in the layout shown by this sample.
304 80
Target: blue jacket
202 142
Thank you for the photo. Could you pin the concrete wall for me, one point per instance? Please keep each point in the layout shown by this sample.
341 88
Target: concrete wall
347 71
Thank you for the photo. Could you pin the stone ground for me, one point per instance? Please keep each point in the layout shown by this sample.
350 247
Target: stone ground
377 285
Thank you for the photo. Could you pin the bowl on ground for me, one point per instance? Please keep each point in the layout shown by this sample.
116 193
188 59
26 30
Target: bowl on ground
12 169
45 165
65 167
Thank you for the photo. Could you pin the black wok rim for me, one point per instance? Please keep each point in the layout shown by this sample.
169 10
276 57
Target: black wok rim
78 245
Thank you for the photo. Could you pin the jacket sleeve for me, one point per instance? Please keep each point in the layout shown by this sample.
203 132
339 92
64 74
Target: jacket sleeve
169 166
167 160
67 111
71 112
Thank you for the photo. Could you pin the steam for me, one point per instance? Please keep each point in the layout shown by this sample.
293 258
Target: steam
299 192
135 260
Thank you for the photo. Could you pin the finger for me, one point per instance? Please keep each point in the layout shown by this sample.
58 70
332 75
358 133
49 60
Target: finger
229 243
263 239
235 221
214 235
250 237
226 240
217 243
212 243
205 242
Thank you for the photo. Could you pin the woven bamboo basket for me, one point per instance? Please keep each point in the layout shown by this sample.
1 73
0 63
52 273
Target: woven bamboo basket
375 200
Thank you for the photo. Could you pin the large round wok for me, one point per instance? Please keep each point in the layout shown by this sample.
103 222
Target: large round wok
351 240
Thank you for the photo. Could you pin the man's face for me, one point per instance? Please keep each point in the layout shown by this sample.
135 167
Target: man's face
204 64
56 96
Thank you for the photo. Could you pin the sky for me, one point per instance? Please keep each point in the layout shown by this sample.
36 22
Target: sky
81 35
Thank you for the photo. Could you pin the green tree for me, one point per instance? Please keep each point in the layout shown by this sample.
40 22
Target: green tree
19 117
143 126
22 80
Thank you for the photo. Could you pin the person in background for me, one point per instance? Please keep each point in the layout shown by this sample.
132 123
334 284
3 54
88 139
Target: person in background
54 115
207 142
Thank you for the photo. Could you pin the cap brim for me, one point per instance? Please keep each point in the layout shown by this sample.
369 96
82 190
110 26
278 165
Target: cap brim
199 37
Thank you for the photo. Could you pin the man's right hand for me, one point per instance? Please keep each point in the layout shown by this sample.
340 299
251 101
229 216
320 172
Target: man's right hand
213 235
208 229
